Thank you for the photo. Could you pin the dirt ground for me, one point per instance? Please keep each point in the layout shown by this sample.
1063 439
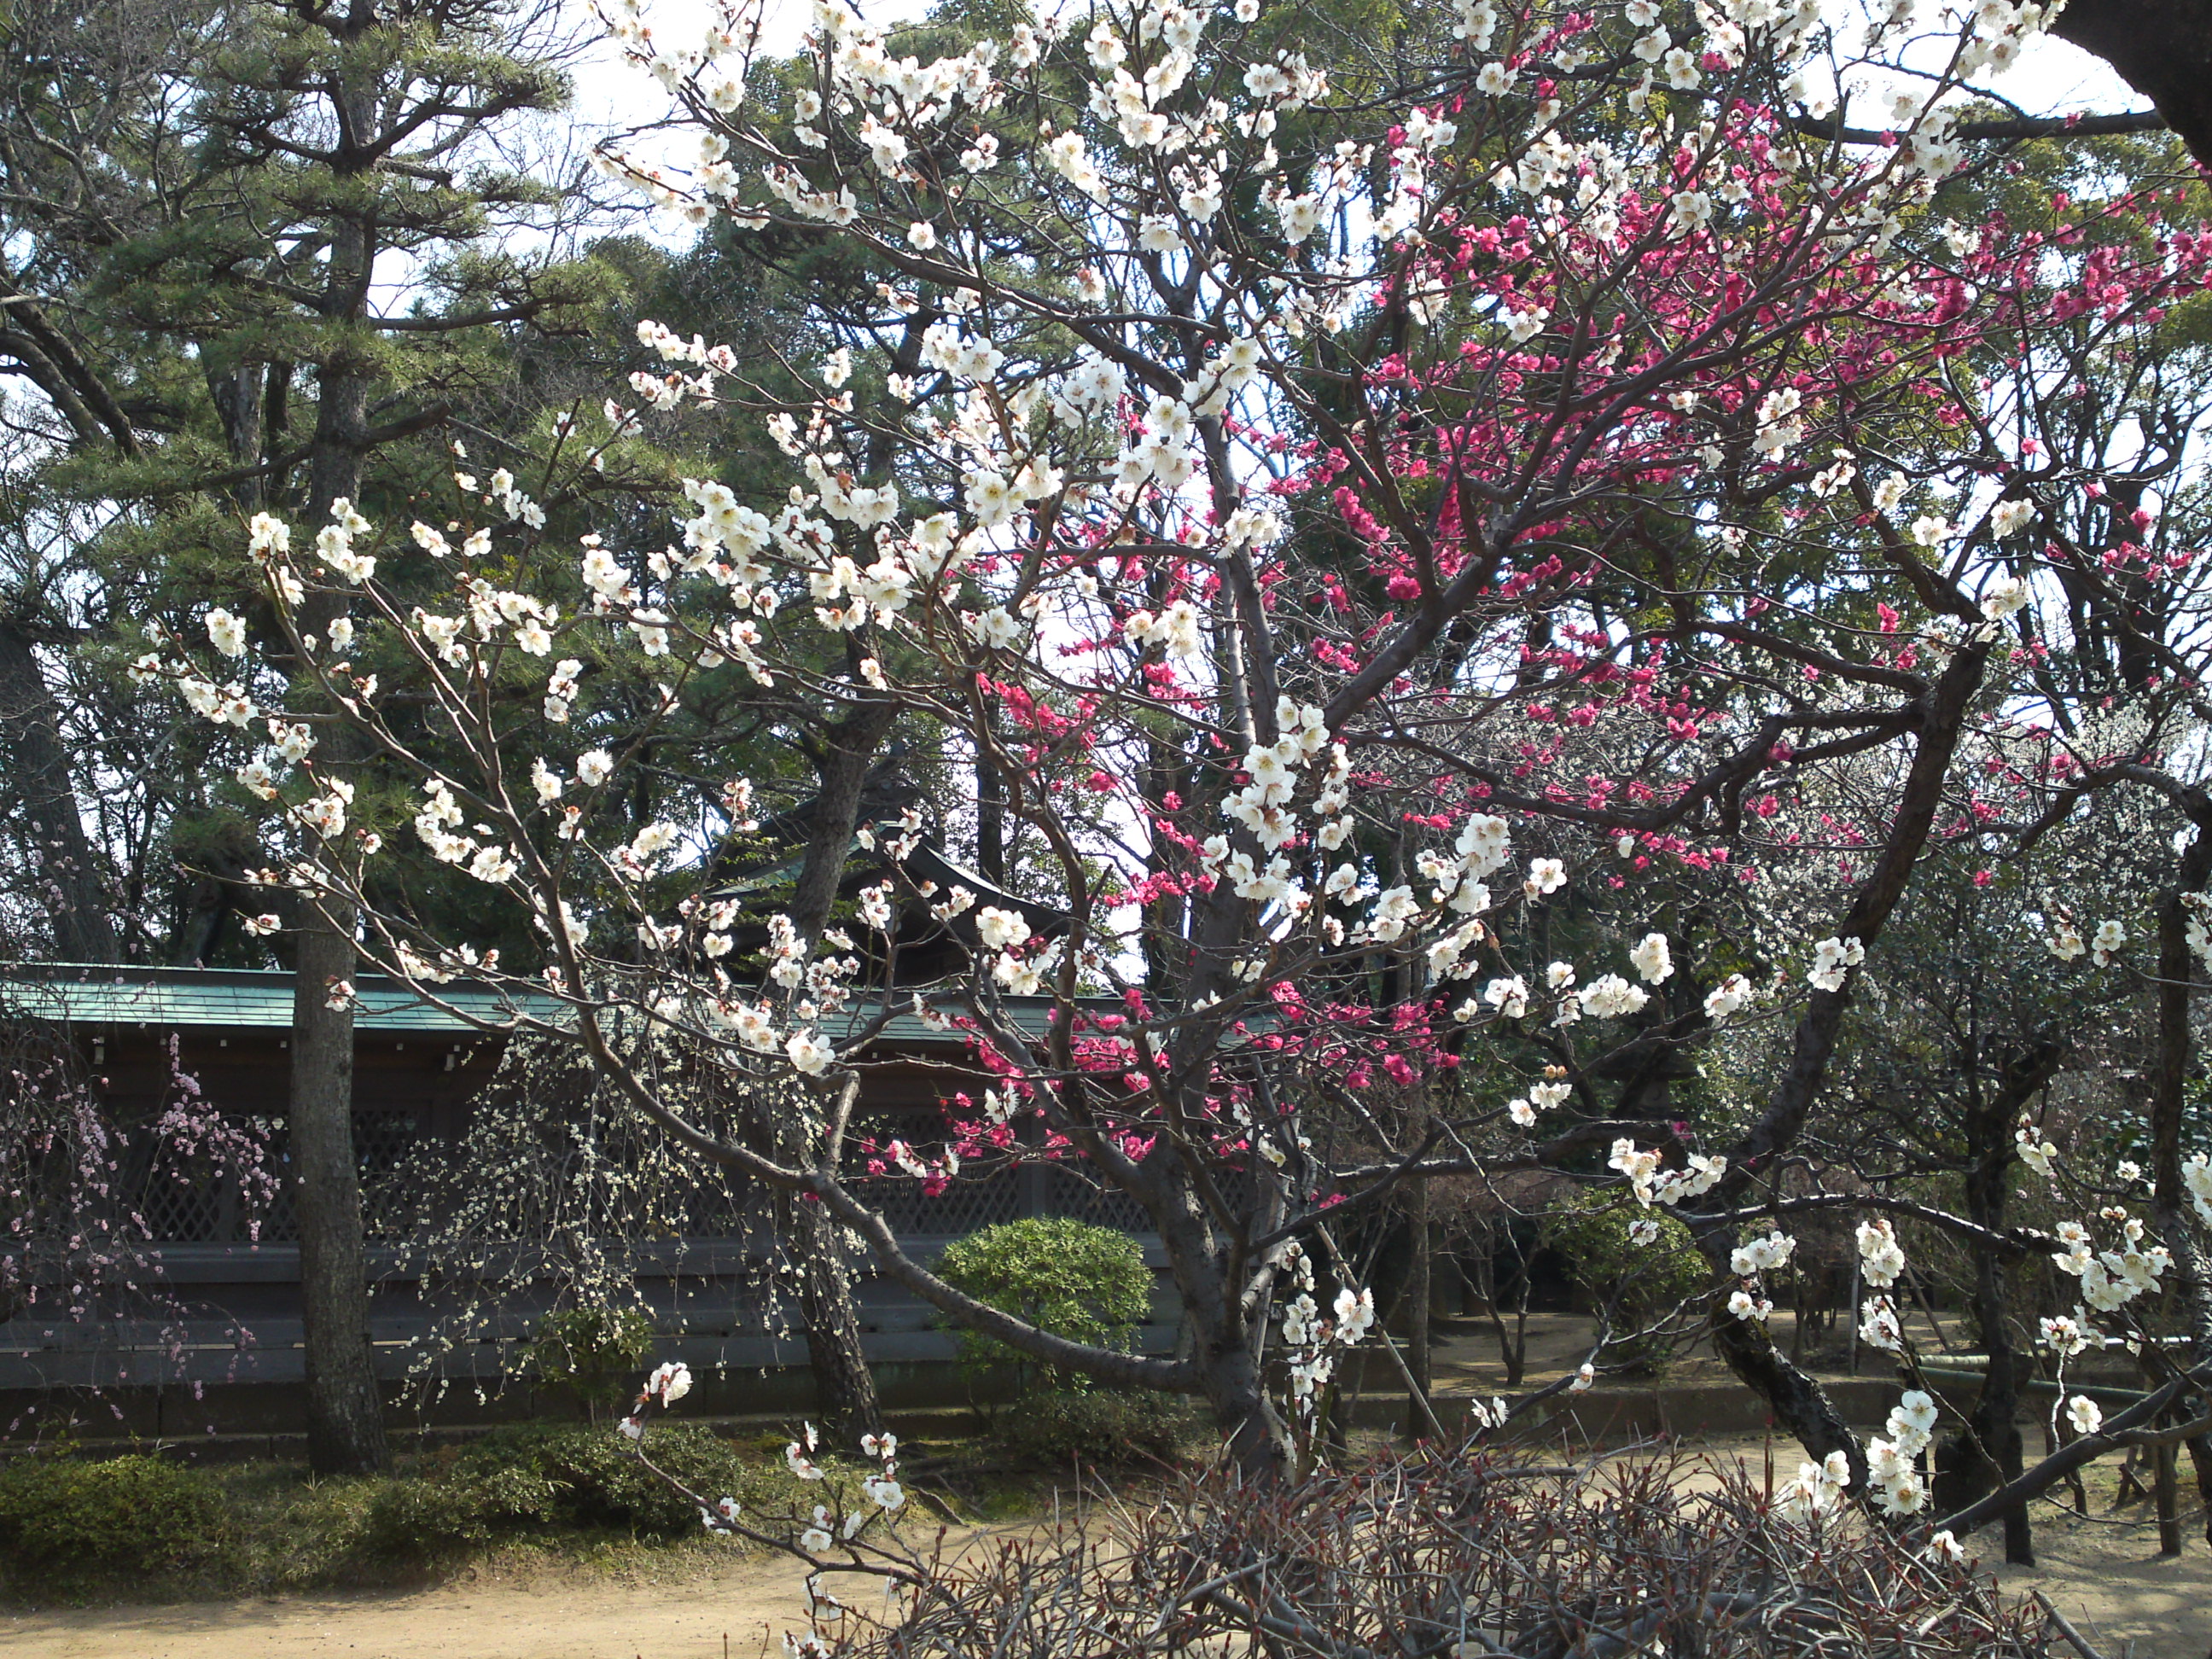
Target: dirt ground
2103 1572
741 1611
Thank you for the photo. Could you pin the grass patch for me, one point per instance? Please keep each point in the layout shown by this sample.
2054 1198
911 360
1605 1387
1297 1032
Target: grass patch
75 1530
523 1499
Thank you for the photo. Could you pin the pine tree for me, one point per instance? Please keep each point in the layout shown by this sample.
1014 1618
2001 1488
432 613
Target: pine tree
221 201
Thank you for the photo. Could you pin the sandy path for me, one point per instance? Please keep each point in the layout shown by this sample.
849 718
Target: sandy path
750 1604
2111 1582
2104 1574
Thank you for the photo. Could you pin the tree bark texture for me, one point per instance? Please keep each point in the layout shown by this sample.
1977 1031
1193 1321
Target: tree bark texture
843 1386
2162 48
345 1413
40 778
2177 1049
345 1418
843 1381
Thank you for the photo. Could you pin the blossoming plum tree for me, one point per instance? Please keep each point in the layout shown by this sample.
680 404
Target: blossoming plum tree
1472 581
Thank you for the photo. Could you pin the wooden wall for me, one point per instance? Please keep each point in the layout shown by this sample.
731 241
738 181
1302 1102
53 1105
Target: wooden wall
233 1361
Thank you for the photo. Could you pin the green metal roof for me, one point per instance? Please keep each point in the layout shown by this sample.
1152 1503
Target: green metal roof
235 997
261 998
1031 1017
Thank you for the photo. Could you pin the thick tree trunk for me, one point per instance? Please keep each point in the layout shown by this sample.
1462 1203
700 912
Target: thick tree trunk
40 777
345 1417
2162 48
2176 985
843 1381
1419 1279
1253 1434
844 1387
1990 1452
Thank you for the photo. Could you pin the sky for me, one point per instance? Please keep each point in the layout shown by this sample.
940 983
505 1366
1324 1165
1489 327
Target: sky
2051 77
614 96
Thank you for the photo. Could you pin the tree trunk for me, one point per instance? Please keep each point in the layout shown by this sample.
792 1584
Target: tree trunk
843 1385
1254 1436
2176 985
1990 1453
1420 1286
40 773
2162 48
843 1381
345 1419
990 820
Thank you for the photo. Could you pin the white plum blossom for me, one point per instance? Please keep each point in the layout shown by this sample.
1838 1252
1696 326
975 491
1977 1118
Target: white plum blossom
1762 1255
1729 998
1881 1259
1612 997
226 633
1816 1491
1832 960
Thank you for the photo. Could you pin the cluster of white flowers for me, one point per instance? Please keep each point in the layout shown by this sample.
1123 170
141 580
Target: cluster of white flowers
1762 1255
1881 1264
1655 1185
2009 518
2110 1278
1832 961
1730 997
1882 1257
1312 1341
1816 1491
2068 1335
2196 1176
1651 958
2035 1149
1611 997
1892 1462
1548 1096
1262 806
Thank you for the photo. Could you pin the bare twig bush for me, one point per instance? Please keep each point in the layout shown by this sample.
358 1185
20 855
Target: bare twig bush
1473 1554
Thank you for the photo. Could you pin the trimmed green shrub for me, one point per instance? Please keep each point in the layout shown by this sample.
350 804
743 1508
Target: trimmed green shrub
593 1354
1100 1426
1641 1281
1087 1283
537 1478
133 1515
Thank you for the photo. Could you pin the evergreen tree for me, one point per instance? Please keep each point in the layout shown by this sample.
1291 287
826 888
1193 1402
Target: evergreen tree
219 202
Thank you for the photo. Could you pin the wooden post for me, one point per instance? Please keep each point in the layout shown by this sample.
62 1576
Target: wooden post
1419 1290
2164 1489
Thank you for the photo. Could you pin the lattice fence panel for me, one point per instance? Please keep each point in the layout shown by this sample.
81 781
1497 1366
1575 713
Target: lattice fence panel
1070 1193
961 1208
